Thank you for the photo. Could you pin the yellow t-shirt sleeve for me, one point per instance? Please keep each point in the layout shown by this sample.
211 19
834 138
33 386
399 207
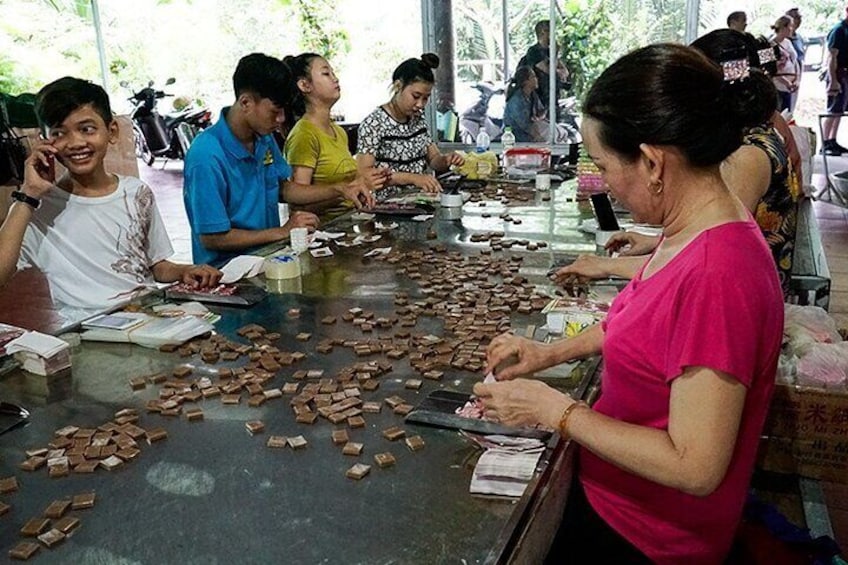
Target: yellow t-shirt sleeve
302 148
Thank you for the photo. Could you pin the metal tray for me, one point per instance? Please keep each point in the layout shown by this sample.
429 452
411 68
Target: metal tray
247 294
439 410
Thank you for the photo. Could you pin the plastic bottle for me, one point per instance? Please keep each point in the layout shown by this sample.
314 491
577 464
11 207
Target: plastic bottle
508 142
483 141
508 139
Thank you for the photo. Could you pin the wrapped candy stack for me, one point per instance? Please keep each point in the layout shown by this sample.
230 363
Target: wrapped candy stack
589 180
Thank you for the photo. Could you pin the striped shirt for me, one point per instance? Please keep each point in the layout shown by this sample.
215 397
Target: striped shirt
399 146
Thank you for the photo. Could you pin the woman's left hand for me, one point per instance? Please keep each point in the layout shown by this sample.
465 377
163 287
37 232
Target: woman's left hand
522 402
201 276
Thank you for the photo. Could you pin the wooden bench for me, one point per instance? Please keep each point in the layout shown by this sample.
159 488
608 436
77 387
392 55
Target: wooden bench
810 280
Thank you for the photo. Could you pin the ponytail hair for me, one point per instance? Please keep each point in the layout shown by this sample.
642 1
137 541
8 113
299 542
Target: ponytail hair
300 66
752 99
416 70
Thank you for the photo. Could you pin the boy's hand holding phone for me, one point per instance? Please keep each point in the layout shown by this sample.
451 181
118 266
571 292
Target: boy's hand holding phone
40 170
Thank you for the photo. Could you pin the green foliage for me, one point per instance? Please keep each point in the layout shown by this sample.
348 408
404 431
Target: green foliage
12 81
320 30
594 33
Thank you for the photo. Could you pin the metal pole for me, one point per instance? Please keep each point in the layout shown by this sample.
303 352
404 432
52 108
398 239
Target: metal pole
505 19
101 52
552 94
693 12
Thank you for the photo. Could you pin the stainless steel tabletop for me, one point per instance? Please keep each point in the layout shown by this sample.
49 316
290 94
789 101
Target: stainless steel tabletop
212 493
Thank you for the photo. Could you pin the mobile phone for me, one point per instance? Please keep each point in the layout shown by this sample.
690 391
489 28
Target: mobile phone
603 212
48 171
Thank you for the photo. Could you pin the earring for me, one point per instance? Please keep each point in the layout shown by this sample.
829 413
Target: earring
657 186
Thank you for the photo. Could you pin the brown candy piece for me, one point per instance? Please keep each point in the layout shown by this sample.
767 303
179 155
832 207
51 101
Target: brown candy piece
276 442
24 550
112 462
87 466
4 508
372 407
156 434
67 524
57 509
358 471
414 443
34 527
352 448
51 537
394 433
403 409
384 460
340 437
138 383
297 442
9 484
83 501
255 427
33 463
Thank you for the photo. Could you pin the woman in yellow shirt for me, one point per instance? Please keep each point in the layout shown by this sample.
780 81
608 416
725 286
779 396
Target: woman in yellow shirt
316 147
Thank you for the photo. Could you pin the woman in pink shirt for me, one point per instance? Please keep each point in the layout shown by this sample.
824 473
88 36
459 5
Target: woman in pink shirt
690 346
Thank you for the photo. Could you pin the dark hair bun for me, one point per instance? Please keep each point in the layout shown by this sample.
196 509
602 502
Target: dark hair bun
289 60
430 60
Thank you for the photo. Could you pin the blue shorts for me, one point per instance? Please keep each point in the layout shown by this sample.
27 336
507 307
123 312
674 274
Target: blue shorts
837 103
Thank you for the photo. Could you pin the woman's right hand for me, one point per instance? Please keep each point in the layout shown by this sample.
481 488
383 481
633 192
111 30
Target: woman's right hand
427 183
39 170
584 268
631 243
358 192
522 355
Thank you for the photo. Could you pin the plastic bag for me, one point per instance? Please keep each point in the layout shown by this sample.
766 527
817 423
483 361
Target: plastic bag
825 365
805 326
805 141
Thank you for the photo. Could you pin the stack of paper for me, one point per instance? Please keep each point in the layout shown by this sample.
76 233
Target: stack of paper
39 353
143 329
507 466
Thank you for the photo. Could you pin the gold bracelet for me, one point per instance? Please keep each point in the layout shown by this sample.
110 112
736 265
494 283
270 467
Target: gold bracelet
563 421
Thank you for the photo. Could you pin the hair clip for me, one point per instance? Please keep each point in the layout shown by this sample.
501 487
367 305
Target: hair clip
766 55
738 69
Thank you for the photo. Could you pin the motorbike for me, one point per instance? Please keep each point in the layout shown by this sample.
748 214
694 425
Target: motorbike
487 112
478 117
166 136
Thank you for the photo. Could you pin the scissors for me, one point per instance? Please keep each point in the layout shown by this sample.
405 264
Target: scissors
12 416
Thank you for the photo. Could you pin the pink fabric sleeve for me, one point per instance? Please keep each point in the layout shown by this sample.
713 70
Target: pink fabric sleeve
718 328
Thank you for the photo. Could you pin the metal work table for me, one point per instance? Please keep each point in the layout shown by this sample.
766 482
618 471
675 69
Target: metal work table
211 493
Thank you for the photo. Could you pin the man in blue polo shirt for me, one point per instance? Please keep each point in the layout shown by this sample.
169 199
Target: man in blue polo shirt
235 174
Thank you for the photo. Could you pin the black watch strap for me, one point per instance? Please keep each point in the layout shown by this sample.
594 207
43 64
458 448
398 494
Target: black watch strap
26 199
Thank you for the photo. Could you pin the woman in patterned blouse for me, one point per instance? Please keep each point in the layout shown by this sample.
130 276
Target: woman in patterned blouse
396 136
759 173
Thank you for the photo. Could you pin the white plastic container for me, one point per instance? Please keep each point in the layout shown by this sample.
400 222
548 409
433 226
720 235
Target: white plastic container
299 239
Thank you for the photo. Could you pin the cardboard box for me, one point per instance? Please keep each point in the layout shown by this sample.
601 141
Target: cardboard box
807 433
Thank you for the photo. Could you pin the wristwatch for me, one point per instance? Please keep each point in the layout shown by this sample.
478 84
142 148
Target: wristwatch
34 203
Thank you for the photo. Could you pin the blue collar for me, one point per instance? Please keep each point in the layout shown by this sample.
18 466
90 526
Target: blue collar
228 139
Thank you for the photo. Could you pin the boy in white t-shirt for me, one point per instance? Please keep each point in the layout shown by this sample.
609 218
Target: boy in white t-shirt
96 236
